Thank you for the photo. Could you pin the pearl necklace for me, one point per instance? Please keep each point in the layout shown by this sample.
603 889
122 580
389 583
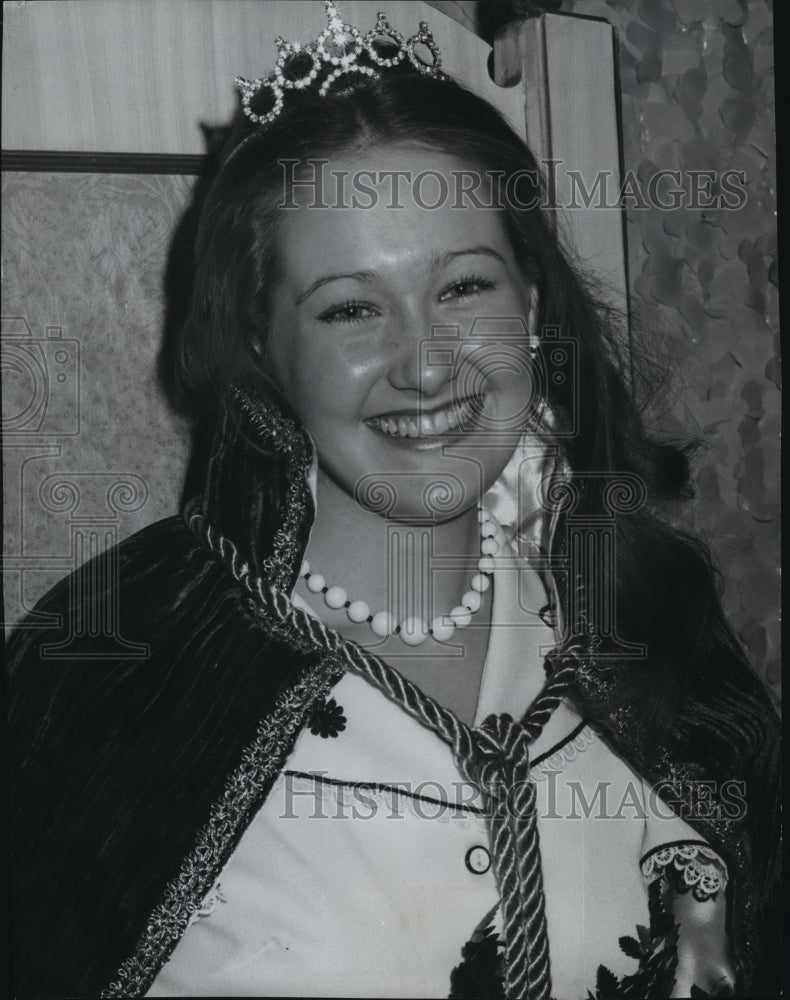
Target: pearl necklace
414 630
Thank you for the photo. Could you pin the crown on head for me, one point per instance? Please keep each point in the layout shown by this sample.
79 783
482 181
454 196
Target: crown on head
339 51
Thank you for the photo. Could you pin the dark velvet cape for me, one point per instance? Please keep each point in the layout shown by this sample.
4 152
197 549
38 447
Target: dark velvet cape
118 763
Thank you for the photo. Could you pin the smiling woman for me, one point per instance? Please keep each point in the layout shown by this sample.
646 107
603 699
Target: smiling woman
436 701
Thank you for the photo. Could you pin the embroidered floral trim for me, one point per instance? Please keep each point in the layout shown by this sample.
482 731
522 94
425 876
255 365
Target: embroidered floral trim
282 432
327 719
481 972
692 865
655 948
186 894
278 429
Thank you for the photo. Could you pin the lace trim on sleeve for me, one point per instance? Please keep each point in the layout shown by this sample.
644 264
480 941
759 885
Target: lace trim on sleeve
686 866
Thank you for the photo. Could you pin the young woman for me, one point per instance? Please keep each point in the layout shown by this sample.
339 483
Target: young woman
435 702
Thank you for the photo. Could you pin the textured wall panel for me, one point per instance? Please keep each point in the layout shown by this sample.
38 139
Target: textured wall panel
698 95
83 253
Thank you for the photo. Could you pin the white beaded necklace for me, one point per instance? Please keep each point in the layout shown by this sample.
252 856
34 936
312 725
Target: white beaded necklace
414 630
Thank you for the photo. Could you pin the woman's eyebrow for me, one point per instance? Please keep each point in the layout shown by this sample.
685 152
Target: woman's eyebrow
357 275
483 249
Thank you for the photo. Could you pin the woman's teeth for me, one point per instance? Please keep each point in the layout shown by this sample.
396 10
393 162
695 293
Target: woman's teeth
427 425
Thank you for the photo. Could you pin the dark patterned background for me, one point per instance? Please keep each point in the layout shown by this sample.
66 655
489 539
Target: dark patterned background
697 91
697 94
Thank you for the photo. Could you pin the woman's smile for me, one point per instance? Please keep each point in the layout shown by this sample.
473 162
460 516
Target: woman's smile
422 427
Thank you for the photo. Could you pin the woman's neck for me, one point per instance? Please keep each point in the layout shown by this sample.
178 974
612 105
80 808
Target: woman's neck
402 566
410 569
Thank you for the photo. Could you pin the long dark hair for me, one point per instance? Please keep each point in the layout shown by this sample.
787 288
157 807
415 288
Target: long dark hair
693 695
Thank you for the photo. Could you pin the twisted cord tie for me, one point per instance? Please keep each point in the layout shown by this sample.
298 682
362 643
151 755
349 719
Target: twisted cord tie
500 766
494 756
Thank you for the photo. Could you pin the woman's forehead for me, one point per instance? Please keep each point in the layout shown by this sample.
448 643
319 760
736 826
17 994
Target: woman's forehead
386 203
388 175
407 155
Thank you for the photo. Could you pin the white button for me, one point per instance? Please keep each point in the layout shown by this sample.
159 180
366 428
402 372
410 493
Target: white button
478 860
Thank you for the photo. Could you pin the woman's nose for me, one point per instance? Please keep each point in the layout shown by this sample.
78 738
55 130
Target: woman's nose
420 361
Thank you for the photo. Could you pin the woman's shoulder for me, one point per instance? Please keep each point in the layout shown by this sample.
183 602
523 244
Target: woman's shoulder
83 614
159 547
154 628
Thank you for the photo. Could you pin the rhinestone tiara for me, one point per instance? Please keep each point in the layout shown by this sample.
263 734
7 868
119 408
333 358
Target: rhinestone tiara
339 52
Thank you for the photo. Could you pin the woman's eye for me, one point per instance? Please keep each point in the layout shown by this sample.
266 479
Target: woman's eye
349 312
466 288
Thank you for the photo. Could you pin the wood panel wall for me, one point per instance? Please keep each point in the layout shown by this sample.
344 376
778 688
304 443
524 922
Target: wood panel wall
138 76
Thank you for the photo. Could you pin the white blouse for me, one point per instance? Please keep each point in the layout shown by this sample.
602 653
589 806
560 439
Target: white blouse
367 868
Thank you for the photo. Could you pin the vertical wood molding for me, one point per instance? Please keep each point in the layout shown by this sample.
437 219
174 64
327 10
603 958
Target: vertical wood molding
565 68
